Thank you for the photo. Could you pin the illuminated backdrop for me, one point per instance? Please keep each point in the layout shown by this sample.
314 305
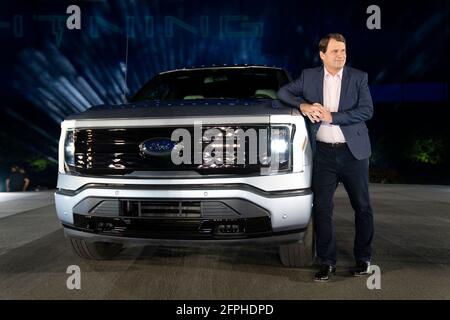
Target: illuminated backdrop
49 72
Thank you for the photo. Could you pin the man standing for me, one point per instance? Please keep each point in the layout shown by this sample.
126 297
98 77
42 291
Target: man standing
336 101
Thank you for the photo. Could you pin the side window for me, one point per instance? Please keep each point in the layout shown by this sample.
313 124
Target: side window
157 92
283 78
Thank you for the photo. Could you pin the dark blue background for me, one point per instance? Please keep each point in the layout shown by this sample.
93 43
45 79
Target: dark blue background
48 72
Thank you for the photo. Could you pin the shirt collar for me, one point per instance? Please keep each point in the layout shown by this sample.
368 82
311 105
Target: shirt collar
339 74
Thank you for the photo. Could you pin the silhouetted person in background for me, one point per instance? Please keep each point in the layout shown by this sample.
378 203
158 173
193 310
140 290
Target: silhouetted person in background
17 180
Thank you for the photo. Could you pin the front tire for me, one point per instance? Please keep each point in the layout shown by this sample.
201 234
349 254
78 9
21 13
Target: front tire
95 250
299 254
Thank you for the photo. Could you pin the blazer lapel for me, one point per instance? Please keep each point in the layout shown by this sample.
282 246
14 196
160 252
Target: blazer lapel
344 86
320 75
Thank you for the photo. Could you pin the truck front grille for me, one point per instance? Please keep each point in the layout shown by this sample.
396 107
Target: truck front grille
119 151
167 209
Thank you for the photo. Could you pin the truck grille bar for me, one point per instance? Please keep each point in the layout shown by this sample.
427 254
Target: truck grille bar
119 151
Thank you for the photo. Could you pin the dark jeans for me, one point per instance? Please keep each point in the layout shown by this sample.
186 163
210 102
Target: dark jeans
331 166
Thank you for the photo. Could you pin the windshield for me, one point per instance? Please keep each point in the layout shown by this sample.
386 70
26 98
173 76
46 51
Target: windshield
225 83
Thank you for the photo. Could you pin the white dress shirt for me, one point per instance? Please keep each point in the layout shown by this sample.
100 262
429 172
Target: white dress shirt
331 93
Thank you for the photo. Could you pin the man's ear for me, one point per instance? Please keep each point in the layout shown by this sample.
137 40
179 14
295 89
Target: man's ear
322 55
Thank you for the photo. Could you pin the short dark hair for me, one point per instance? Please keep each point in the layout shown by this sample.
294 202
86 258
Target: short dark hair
323 43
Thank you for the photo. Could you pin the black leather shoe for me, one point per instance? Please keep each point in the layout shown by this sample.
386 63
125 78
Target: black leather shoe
324 273
362 268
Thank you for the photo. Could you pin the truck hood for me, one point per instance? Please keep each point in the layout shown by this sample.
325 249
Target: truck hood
186 109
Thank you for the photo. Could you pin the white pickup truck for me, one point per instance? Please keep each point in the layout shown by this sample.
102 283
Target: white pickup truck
198 156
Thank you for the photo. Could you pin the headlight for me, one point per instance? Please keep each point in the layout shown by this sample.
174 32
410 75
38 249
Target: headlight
69 150
280 147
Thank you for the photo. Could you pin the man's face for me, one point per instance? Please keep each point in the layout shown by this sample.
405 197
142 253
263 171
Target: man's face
335 56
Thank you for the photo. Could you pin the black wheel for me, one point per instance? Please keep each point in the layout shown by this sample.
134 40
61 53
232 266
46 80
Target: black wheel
95 250
299 254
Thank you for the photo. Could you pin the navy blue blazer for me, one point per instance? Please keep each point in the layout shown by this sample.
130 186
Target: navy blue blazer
355 105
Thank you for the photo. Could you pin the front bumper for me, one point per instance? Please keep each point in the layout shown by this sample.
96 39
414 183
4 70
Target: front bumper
272 240
249 213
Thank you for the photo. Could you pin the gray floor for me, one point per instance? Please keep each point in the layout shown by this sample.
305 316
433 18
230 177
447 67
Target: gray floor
411 246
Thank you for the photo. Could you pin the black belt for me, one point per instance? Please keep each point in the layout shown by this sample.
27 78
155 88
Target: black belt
332 145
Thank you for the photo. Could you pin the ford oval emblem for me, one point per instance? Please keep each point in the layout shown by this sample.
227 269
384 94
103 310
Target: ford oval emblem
158 147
